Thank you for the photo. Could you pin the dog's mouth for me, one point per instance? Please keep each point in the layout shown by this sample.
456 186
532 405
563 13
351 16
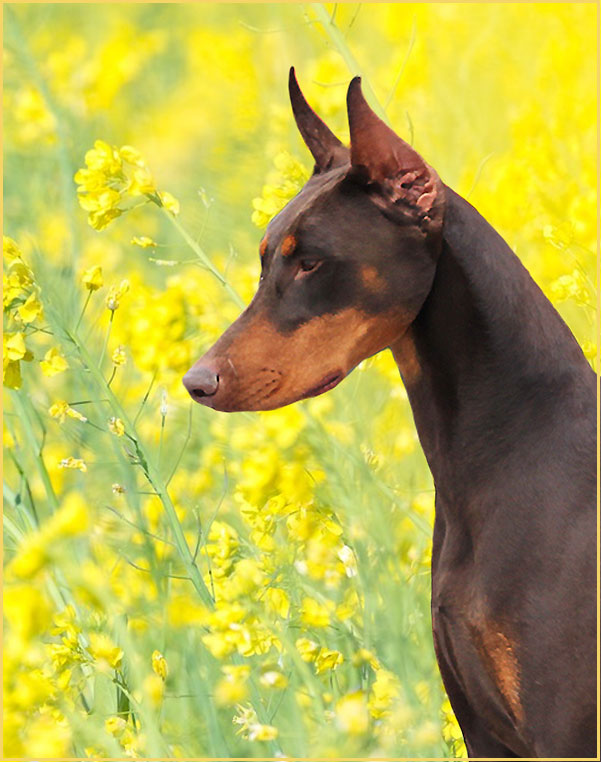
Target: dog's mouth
329 382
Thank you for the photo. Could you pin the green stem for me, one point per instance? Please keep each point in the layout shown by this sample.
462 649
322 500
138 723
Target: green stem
21 405
152 475
341 45
204 259
106 338
161 440
87 301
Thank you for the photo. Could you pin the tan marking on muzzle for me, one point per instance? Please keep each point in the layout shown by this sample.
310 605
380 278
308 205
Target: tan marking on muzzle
288 245
274 369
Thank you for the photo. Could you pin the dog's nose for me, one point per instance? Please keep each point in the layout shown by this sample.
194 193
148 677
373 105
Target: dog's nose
201 383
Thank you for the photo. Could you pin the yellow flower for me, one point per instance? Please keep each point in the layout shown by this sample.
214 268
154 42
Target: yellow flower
102 200
229 693
15 283
26 609
363 656
141 182
308 649
53 362
170 203
48 735
60 409
285 181
273 678
314 614
277 601
351 713
119 357
76 463
143 241
10 250
154 687
70 519
100 185
107 655
14 350
100 219
250 727
103 157
219 644
65 623
232 689
115 726
92 278
14 347
258 732
31 309
159 665
32 555
451 732
11 375
327 659
7 438
113 299
384 691
116 427
132 155
422 691
571 286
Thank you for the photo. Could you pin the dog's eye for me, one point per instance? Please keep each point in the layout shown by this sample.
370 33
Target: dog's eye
307 266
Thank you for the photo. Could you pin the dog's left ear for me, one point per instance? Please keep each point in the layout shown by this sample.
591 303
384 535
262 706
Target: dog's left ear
325 147
389 165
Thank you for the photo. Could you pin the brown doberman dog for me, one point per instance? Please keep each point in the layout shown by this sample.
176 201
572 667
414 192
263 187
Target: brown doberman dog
374 252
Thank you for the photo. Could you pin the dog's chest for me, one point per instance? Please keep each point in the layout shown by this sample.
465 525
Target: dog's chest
477 651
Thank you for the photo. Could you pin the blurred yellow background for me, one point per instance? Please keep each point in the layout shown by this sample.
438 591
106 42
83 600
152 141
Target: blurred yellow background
180 582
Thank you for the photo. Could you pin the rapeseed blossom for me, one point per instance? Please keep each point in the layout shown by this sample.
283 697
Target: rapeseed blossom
111 178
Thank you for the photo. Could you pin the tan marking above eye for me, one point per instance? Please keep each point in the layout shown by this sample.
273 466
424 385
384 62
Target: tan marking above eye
263 246
288 245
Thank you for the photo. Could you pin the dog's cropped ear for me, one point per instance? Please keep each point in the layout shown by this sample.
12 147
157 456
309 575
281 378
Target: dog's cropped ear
325 147
379 155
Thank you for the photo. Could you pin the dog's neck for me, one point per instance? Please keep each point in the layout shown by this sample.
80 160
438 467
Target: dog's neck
487 357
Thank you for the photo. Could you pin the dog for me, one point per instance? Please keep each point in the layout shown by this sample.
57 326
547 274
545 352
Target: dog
377 252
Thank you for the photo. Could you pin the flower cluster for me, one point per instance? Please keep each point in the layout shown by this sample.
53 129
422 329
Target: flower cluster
284 182
112 177
23 312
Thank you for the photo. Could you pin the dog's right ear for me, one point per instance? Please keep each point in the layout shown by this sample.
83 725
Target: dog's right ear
325 147
400 179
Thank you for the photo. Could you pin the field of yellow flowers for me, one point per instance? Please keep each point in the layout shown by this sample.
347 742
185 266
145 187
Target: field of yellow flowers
185 583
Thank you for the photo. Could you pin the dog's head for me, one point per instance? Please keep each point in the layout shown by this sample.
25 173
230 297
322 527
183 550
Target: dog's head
345 267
